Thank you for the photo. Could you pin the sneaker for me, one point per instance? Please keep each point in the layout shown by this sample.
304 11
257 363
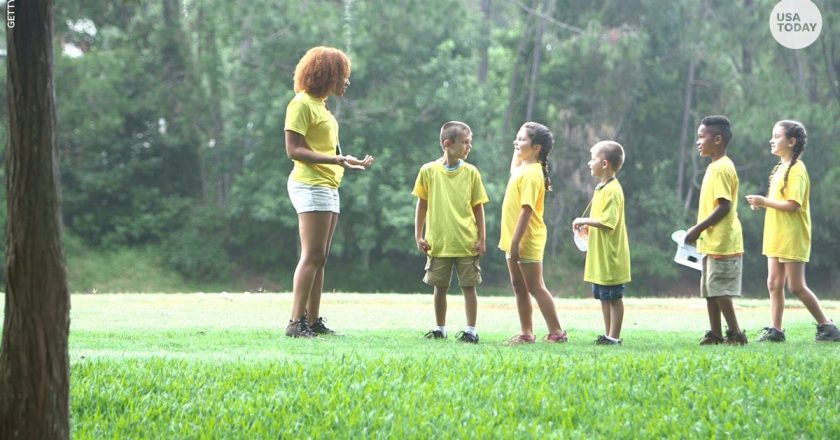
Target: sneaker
736 338
434 334
711 339
770 334
521 339
299 329
603 340
320 328
827 332
558 337
467 338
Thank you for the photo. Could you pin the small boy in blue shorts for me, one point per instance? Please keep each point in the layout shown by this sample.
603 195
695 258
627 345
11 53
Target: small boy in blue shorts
607 264
450 205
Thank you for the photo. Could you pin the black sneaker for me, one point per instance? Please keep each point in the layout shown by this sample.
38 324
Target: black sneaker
711 339
736 338
466 337
319 328
603 340
299 329
770 334
827 332
434 334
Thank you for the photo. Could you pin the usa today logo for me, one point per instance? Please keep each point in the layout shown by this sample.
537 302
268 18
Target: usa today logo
796 24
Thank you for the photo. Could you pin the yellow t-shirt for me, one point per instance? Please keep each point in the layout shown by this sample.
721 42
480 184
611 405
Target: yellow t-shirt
788 234
720 182
451 229
608 258
526 187
308 115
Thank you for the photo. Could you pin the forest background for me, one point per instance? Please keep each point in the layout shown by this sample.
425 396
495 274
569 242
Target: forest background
171 115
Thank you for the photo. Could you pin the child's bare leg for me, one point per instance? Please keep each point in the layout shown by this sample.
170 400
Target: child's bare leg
776 289
440 305
796 282
470 304
605 310
727 308
714 316
523 300
532 273
616 317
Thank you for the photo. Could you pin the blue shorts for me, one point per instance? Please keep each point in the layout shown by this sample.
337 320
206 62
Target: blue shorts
605 293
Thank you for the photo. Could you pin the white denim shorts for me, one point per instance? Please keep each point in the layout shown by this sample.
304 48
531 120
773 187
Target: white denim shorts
312 198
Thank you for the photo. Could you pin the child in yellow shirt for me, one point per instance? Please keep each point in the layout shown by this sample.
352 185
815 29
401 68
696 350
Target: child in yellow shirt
787 232
450 204
607 264
719 232
523 234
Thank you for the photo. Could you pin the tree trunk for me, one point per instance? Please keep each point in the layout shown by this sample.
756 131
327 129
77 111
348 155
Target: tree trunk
683 152
513 89
536 61
483 63
34 365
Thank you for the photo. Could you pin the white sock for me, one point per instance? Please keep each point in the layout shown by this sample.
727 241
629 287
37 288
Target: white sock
611 338
470 330
442 329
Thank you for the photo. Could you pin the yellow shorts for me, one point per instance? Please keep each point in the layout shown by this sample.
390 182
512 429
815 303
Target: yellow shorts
439 271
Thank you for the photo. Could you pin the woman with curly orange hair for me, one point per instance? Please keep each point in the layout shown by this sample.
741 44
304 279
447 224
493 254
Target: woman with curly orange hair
312 144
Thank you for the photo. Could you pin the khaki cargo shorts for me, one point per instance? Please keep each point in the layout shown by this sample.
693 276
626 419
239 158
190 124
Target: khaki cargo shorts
721 277
439 271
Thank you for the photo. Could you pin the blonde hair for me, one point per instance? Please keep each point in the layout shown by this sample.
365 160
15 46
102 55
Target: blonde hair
610 151
321 71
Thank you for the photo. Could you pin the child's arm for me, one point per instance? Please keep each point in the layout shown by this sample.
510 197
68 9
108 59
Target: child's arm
481 244
519 232
757 201
589 221
723 208
419 222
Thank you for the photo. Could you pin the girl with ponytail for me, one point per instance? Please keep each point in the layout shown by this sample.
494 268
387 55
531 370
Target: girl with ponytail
524 233
787 232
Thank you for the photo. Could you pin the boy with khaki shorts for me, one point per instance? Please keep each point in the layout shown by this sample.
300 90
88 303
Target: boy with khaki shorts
450 205
719 232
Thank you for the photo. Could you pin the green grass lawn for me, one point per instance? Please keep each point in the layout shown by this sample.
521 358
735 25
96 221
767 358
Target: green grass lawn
218 366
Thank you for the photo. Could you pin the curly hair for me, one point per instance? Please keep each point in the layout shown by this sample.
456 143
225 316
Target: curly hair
321 71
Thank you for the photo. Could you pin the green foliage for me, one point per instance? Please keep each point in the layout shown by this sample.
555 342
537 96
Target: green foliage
197 249
139 269
177 106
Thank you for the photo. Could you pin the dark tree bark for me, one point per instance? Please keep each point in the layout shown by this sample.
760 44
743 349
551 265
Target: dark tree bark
34 365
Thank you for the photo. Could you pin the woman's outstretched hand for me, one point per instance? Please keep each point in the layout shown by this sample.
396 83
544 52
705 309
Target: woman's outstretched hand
352 163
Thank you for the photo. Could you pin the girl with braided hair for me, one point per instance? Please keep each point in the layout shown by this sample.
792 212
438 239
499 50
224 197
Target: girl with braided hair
787 232
524 233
